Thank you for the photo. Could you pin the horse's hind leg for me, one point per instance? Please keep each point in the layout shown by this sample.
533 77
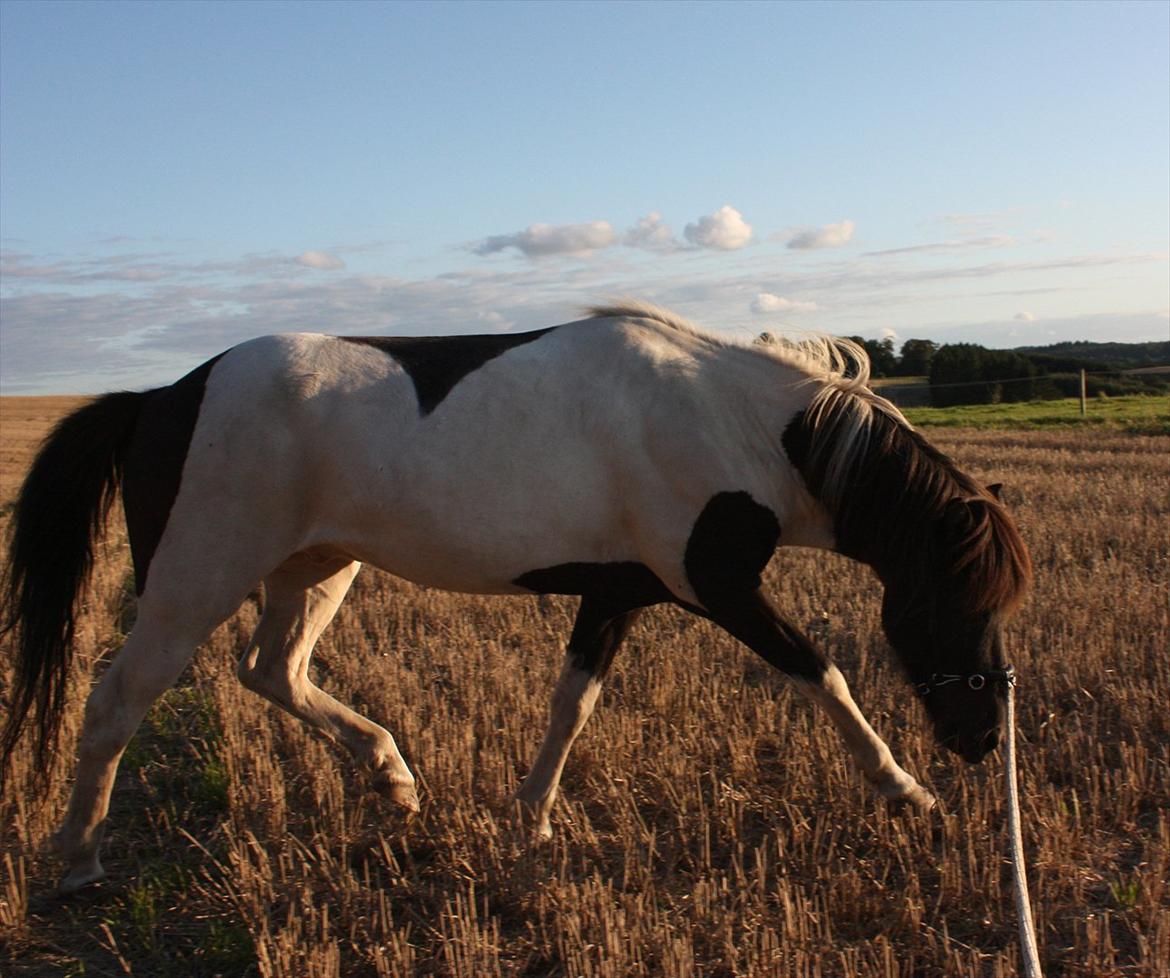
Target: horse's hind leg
300 599
154 655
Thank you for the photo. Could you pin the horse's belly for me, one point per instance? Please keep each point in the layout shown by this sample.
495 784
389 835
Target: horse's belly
481 539
453 563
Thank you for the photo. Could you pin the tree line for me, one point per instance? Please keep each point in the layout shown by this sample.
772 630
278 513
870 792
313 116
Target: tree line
967 373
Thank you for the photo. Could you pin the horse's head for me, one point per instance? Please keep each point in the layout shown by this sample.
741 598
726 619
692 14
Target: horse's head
956 664
952 561
946 621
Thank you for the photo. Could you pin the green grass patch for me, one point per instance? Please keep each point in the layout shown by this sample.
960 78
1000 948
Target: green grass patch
1139 414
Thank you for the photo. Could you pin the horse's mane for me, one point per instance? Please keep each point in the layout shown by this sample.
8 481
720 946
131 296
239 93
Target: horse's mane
887 486
833 361
638 309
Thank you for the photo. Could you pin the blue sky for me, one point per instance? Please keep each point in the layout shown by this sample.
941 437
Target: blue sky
175 178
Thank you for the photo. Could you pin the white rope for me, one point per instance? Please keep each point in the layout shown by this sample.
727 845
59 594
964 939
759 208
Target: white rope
1028 950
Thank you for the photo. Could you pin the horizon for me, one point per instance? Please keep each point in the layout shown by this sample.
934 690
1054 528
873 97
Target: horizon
1025 349
176 178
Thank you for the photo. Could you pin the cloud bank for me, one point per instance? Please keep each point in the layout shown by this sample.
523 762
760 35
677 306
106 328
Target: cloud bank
75 322
723 230
542 240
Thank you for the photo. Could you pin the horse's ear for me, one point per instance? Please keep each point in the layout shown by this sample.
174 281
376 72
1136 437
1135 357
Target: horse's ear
996 489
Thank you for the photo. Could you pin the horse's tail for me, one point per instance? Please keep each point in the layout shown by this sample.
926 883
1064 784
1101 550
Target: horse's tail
60 513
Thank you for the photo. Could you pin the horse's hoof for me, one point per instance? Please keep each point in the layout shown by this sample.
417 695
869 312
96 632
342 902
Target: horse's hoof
79 877
542 831
401 794
526 817
916 799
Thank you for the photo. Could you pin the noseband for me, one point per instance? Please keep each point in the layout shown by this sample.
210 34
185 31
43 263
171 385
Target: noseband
974 680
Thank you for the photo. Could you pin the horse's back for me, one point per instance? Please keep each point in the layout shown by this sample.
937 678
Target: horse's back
463 462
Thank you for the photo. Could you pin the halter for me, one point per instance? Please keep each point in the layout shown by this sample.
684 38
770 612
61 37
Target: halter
974 680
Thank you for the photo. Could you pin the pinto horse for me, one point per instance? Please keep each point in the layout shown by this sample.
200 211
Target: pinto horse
631 459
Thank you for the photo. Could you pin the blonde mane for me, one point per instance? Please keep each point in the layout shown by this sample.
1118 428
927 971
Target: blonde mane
839 367
638 309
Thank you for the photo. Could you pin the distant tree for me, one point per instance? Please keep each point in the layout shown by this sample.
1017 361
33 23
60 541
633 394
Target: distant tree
1014 375
916 357
966 373
882 356
955 370
882 359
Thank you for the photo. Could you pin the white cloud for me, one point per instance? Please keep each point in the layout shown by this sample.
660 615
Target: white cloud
725 230
539 240
321 260
829 236
652 234
769 302
890 334
1025 317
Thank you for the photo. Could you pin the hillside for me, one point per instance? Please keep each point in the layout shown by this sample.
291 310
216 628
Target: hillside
1110 356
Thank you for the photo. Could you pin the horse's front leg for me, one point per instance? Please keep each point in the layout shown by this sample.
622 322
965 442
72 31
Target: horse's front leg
597 633
749 617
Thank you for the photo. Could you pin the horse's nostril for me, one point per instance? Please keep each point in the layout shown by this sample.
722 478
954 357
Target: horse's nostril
990 741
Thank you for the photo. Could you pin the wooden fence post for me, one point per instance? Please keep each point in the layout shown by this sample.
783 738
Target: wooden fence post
1082 392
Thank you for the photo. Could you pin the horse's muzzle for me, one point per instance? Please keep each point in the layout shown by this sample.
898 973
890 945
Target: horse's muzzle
971 749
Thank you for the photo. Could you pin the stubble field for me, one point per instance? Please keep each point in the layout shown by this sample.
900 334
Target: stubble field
710 824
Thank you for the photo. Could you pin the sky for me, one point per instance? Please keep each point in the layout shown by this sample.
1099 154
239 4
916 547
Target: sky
178 177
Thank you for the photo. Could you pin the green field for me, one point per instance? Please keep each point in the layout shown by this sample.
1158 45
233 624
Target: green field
1144 414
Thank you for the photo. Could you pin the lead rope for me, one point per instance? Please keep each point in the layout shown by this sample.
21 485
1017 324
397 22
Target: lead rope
1028 951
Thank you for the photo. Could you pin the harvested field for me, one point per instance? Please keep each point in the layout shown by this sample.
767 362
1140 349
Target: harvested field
710 824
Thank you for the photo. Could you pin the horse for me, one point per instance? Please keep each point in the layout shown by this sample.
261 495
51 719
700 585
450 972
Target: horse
631 459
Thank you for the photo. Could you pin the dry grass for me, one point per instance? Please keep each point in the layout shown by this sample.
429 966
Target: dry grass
24 421
710 824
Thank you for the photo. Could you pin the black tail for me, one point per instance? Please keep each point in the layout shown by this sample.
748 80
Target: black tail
60 513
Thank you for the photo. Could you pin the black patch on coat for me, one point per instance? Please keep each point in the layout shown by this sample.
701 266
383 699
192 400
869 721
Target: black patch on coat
619 585
154 463
597 634
435 364
731 543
